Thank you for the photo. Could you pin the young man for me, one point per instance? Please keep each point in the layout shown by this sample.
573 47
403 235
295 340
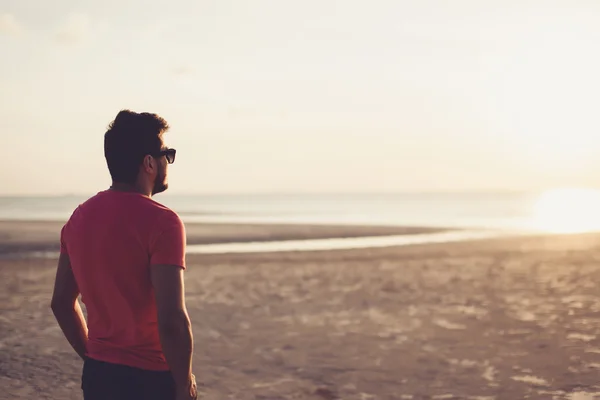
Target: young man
125 254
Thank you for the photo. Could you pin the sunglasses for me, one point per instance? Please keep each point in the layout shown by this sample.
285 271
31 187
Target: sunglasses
168 153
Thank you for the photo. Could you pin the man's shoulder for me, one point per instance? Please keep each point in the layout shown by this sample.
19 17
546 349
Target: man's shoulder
95 199
87 204
79 212
164 215
161 209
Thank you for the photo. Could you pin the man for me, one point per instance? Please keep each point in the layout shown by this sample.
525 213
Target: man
125 254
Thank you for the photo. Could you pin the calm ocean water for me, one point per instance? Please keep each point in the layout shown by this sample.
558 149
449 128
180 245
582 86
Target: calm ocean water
495 211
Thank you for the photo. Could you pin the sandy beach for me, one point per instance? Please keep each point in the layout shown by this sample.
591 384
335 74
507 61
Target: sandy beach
512 318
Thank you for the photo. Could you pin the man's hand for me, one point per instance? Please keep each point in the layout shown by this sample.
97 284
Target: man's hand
189 392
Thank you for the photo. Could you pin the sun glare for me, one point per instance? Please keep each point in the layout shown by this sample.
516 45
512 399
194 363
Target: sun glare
568 211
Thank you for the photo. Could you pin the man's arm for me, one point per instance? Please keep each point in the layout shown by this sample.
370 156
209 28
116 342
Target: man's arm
66 307
174 325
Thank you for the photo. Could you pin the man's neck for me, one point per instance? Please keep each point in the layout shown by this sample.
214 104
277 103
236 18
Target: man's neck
125 187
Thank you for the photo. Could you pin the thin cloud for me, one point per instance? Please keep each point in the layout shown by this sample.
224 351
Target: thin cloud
237 113
9 25
75 29
182 70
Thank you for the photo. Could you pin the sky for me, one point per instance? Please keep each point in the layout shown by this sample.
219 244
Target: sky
287 96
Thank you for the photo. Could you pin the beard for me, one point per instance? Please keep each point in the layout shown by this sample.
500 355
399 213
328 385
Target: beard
160 184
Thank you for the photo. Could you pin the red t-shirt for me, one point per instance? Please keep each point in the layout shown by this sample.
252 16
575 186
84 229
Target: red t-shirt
112 239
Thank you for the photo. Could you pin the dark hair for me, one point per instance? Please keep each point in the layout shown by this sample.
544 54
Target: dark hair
129 138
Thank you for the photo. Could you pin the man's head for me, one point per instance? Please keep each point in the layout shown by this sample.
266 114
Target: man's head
135 151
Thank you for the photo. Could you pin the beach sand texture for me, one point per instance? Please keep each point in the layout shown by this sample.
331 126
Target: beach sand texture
510 318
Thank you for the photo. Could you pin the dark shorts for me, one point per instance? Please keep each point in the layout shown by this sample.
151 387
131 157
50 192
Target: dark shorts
105 381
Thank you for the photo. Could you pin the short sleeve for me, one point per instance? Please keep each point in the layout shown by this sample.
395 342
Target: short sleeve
65 232
168 244
63 242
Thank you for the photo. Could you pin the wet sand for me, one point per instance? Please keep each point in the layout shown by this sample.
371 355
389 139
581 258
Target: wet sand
18 236
491 319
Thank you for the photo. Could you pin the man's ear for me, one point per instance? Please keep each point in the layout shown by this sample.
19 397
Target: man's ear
149 163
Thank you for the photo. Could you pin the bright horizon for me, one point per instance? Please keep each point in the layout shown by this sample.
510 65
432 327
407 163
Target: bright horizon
311 97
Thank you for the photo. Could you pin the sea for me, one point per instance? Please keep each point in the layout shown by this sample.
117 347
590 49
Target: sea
454 210
472 215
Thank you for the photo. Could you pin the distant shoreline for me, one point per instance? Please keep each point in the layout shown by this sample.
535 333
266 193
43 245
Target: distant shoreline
24 237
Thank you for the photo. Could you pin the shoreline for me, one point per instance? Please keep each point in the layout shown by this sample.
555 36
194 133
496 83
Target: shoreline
351 243
19 237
